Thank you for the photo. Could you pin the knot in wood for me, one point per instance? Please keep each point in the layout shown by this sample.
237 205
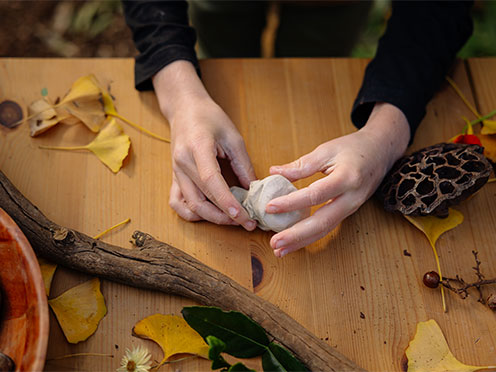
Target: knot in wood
432 179
139 238
63 236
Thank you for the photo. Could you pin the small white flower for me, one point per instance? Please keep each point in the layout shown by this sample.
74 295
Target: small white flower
136 360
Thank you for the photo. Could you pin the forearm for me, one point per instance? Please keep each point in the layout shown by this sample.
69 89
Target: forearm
177 85
389 125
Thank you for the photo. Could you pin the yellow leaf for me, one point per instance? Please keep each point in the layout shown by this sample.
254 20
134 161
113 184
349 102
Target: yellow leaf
111 146
47 272
429 352
85 101
433 227
489 127
489 144
85 88
173 335
79 310
42 116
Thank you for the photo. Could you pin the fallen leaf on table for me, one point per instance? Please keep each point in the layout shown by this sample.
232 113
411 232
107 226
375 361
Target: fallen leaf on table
79 310
47 272
433 227
173 335
429 352
41 117
86 102
111 146
488 127
489 144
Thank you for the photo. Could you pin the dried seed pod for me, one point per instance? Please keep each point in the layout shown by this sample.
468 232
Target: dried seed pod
431 180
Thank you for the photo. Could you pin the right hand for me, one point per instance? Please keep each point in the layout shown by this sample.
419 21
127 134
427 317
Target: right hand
200 132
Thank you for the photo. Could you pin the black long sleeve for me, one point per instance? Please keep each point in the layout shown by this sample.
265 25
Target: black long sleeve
162 35
413 57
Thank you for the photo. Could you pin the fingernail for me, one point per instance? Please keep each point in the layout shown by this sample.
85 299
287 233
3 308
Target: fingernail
271 209
283 252
251 225
233 212
275 168
280 243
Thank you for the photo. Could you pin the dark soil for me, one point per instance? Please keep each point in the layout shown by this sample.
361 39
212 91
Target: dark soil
27 29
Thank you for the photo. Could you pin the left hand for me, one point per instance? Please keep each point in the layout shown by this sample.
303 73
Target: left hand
354 165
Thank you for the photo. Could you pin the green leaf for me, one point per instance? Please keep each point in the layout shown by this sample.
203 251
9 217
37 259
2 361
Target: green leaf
216 347
240 367
243 337
279 359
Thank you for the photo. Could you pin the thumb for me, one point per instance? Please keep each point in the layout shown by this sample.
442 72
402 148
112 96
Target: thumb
311 163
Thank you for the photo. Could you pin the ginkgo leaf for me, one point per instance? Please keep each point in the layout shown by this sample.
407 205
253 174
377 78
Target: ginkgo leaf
429 352
111 146
47 272
42 116
433 227
85 88
489 127
79 310
173 335
489 144
86 102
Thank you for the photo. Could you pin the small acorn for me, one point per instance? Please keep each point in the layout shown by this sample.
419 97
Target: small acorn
431 279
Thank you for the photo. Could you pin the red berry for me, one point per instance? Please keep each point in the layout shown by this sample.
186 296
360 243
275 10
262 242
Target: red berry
431 279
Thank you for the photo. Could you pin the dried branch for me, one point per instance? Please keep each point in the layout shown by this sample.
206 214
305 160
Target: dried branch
159 266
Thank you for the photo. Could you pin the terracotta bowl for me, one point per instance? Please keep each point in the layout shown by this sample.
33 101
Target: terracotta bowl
24 309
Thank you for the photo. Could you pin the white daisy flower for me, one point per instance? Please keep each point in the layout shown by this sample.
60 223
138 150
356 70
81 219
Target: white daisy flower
137 360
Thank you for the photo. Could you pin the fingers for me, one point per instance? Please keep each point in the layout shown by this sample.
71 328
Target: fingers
210 181
314 227
178 203
317 193
240 162
313 162
197 204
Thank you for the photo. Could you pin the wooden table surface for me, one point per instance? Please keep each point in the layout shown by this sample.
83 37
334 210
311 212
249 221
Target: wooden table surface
283 108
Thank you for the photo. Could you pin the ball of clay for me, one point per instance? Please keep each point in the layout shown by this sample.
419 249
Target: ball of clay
261 192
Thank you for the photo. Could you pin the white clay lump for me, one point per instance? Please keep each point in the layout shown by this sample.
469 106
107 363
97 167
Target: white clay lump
261 192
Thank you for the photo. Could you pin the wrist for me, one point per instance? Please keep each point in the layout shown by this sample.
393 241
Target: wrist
389 125
176 85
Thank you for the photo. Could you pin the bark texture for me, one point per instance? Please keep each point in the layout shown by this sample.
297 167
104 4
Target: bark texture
159 266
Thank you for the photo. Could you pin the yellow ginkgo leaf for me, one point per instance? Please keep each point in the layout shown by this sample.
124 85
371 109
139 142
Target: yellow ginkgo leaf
111 146
79 310
42 116
433 227
85 88
85 101
173 335
489 127
489 144
429 352
47 272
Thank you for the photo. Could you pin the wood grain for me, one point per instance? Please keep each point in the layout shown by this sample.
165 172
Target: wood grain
283 108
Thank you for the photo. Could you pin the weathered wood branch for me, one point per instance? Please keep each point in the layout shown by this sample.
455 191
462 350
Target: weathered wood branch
159 266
